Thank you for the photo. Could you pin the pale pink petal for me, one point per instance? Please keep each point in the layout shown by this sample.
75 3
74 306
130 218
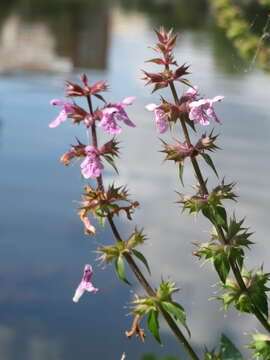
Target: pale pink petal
151 107
217 98
192 91
57 102
60 118
78 293
162 121
109 110
128 100
89 287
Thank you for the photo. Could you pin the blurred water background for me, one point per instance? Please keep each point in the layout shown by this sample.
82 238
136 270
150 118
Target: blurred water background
43 249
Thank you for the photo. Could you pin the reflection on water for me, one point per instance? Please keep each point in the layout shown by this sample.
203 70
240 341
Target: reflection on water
43 246
77 39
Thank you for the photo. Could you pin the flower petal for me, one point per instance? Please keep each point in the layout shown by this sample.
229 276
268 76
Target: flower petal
129 100
151 107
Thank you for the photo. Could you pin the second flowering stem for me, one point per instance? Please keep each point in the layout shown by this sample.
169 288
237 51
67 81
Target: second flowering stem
204 191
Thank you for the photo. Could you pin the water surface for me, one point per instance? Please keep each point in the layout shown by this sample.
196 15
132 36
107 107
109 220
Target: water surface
43 246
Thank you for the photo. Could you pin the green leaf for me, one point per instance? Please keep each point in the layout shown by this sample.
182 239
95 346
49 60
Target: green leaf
209 161
153 325
208 214
177 311
230 352
181 173
109 159
101 220
101 216
260 299
222 266
141 257
220 216
120 269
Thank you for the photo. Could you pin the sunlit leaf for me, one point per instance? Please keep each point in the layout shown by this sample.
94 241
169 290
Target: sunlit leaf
153 325
120 269
177 311
141 257
222 266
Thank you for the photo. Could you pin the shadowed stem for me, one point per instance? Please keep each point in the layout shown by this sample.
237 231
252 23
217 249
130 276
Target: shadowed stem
203 189
137 272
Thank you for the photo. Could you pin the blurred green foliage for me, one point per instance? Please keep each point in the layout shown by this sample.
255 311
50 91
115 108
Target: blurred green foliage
153 357
251 42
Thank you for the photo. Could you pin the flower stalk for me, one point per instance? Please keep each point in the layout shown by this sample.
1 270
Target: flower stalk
199 114
132 264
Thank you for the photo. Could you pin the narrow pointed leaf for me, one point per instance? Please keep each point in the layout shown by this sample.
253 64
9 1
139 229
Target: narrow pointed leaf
141 257
177 311
181 173
220 216
120 269
153 325
222 267
186 82
208 214
230 352
190 123
111 162
100 98
209 161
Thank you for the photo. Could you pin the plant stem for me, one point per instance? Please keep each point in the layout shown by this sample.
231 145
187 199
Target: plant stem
203 189
137 272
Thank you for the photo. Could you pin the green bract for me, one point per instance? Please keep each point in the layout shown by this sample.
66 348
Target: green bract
118 251
255 292
261 346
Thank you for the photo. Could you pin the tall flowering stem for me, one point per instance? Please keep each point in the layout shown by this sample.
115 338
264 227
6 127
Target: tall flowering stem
104 204
137 272
193 110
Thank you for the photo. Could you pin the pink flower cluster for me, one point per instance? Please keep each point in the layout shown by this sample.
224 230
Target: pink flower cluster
108 116
199 110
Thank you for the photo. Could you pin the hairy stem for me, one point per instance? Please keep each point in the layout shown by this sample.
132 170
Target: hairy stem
203 189
137 272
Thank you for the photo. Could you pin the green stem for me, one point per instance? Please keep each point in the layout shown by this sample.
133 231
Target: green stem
203 189
137 272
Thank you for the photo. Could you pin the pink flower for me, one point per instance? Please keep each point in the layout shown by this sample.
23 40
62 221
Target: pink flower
114 113
202 110
85 284
92 165
62 117
162 119
192 92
